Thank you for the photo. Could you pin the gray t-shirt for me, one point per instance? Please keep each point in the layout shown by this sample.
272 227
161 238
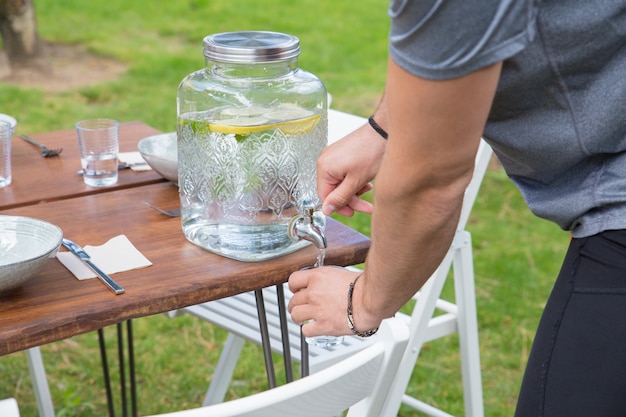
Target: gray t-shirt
558 121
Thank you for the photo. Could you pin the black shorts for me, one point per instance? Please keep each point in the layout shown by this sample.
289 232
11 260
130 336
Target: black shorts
577 365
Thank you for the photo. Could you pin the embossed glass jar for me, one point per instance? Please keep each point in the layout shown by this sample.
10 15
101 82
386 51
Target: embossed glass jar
251 125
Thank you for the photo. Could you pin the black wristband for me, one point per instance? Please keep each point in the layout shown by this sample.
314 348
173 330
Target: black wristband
377 128
353 329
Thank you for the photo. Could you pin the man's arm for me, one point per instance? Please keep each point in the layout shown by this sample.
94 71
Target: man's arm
434 131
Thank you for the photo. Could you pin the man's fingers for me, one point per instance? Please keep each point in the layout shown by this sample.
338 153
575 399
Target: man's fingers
367 187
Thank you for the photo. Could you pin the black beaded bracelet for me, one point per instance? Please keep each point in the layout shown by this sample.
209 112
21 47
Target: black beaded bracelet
377 128
353 329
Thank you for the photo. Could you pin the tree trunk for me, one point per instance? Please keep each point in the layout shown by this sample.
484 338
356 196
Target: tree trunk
18 29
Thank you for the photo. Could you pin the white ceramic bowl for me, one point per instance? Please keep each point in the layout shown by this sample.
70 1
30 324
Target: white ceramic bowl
26 244
161 153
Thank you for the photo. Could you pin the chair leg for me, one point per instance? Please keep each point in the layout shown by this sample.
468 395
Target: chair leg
422 407
422 312
40 382
468 330
224 370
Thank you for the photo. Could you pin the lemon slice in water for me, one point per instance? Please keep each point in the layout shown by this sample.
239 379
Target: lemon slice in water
294 121
237 112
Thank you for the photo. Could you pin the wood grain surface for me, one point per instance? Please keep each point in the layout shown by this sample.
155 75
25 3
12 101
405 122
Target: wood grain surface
55 305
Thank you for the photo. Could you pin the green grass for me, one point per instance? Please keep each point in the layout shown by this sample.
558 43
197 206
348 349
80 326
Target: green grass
161 42
517 255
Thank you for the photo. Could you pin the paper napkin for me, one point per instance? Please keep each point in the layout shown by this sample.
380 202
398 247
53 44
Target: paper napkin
116 255
135 160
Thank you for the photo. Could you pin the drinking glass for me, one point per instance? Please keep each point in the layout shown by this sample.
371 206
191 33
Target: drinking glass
323 341
99 148
6 130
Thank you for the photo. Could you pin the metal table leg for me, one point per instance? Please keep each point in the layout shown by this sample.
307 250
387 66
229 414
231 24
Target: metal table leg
105 373
304 358
120 355
267 348
284 331
131 369
122 370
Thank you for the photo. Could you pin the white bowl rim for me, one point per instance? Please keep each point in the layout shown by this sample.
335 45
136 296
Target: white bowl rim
5 217
169 135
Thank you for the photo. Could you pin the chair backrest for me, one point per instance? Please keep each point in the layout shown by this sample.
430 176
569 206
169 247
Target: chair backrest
8 408
481 162
417 324
423 326
358 383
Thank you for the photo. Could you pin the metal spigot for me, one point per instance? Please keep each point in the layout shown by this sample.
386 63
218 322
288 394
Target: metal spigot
302 226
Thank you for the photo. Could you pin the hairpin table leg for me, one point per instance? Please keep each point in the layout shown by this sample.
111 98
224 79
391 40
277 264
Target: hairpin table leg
267 348
284 331
105 372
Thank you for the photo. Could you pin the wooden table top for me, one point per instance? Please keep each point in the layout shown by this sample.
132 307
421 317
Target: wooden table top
37 179
55 305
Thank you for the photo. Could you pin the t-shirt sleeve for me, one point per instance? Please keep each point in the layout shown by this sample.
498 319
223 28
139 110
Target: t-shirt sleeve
442 39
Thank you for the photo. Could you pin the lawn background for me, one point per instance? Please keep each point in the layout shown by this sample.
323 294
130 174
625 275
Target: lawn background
344 43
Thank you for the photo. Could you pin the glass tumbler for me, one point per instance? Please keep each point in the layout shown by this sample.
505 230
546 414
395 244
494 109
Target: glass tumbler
99 148
6 131
323 341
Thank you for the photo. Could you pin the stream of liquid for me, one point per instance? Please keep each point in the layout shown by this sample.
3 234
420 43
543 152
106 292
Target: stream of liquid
321 255
323 341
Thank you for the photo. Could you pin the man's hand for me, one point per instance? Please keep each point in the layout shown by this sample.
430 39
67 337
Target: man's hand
345 169
320 302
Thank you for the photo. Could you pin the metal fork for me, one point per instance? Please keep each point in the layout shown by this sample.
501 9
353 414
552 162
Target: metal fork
45 151
170 213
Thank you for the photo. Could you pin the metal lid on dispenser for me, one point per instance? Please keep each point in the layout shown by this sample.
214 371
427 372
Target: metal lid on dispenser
247 47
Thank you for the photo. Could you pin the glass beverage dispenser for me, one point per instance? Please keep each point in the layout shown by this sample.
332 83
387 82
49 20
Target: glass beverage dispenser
251 125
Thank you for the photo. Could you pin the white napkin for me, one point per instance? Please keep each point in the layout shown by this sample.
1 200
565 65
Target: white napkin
116 255
135 160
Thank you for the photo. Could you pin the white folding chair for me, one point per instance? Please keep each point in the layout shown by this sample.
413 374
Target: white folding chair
239 316
359 383
8 408
40 383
